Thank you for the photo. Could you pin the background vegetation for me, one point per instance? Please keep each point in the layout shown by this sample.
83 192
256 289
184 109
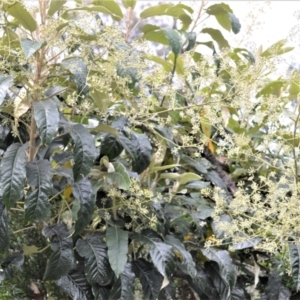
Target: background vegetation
131 174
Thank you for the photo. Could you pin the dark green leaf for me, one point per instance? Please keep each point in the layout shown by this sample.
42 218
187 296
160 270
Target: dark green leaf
250 243
200 165
39 175
186 256
217 36
55 6
30 47
5 83
161 253
275 289
75 285
174 39
83 191
111 147
117 244
235 23
191 40
97 267
46 115
224 261
4 232
13 173
151 280
18 11
295 263
100 292
197 185
62 260
84 151
123 289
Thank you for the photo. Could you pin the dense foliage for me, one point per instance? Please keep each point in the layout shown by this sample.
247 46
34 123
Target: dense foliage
128 175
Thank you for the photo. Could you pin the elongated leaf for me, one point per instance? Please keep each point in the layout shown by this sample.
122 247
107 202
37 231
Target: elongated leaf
18 11
112 6
161 253
62 259
186 256
4 232
46 115
100 292
119 177
97 267
129 3
224 261
151 280
277 49
75 285
39 175
295 263
55 6
117 244
30 47
83 191
219 8
123 289
217 36
191 39
250 243
84 151
275 289
157 10
5 83
235 23
139 148
13 173
174 40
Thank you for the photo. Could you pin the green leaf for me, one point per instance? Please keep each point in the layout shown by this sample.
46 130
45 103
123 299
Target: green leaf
117 248
84 151
186 256
75 285
106 128
217 36
197 185
97 267
83 191
4 232
62 260
174 39
39 175
129 3
112 6
46 116
100 292
275 289
161 254
30 47
276 49
123 289
294 250
55 6
217 9
235 23
186 177
157 10
119 178
78 68
110 147
224 20
13 174
272 88
191 40
156 36
200 165
139 148
224 261
5 83
18 11
151 280
250 243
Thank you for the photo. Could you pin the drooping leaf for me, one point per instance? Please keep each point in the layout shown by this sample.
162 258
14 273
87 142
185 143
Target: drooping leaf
224 261
4 231
186 256
224 20
219 8
84 151
119 178
97 266
191 40
139 148
275 289
161 253
13 173
83 191
18 11
151 280
55 6
39 175
5 83
117 244
112 6
46 115
174 40
217 36
123 289
30 47
235 23
295 263
62 260
75 285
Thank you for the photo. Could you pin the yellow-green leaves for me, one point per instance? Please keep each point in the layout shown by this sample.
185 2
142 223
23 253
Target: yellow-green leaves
217 36
129 3
18 11
55 6
276 49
